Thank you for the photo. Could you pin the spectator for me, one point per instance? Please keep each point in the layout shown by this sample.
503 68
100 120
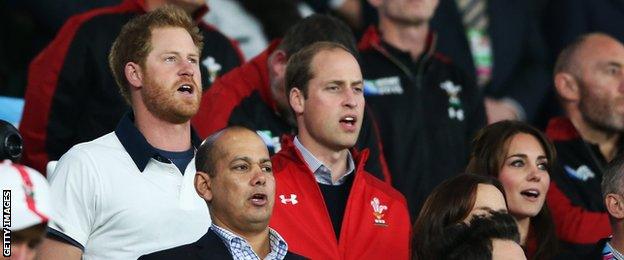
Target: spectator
130 192
253 94
30 209
71 95
610 248
453 201
588 80
329 206
521 157
426 107
235 178
498 43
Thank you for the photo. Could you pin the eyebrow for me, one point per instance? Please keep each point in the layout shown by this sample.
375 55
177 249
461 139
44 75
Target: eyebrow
525 156
249 160
179 54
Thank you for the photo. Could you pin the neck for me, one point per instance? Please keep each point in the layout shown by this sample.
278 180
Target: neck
334 159
617 241
162 134
258 240
260 243
523 229
410 38
606 140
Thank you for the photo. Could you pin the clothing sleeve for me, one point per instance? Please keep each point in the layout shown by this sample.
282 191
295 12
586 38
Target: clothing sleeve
75 191
575 224
48 88
370 139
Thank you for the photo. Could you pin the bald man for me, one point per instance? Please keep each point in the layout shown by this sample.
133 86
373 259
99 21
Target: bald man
235 178
589 80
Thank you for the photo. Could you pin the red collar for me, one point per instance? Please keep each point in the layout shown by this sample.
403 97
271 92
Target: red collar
561 129
289 150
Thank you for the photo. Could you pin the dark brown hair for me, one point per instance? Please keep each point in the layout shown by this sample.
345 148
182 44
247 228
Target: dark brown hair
298 69
133 43
449 203
489 149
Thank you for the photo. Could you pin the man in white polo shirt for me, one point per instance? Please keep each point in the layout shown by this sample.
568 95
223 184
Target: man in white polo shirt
131 192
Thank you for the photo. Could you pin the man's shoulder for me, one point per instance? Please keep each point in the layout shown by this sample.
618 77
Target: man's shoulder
90 153
209 246
188 251
106 143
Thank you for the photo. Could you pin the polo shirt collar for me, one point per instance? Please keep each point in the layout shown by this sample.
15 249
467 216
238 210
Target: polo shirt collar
135 143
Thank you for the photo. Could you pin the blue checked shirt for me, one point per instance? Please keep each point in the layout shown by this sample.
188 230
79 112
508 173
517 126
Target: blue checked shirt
322 173
240 248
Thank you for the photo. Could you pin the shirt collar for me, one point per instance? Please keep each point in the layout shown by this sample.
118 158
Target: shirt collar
322 173
135 143
278 245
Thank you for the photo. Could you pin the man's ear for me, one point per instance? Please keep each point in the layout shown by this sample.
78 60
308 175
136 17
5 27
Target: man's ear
297 100
614 205
203 185
277 63
134 75
567 86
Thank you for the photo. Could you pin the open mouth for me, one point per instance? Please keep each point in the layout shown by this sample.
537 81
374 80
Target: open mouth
348 122
186 88
530 193
258 199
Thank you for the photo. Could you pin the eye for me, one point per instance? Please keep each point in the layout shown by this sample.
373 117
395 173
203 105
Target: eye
543 166
240 167
613 70
170 59
358 89
332 88
267 169
517 163
193 60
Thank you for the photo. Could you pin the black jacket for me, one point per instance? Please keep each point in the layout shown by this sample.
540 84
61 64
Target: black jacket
210 246
425 129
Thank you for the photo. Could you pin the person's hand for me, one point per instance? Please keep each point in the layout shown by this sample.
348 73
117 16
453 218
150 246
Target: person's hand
190 6
498 110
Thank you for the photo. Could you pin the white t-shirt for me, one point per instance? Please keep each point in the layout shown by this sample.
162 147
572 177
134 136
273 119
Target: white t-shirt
116 211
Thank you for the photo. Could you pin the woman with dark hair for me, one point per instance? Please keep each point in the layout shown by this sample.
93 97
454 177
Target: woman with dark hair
453 201
520 156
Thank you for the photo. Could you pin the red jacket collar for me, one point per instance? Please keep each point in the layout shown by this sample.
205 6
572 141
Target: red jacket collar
290 151
561 129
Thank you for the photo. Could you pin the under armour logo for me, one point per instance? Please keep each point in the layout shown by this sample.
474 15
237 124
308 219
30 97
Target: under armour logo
291 200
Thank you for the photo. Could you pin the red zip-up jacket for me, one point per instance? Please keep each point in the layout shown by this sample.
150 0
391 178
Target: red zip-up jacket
376 223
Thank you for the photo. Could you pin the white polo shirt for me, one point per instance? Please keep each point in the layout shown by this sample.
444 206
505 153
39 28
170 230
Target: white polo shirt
116 201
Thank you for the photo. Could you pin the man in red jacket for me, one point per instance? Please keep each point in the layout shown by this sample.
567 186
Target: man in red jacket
327 205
